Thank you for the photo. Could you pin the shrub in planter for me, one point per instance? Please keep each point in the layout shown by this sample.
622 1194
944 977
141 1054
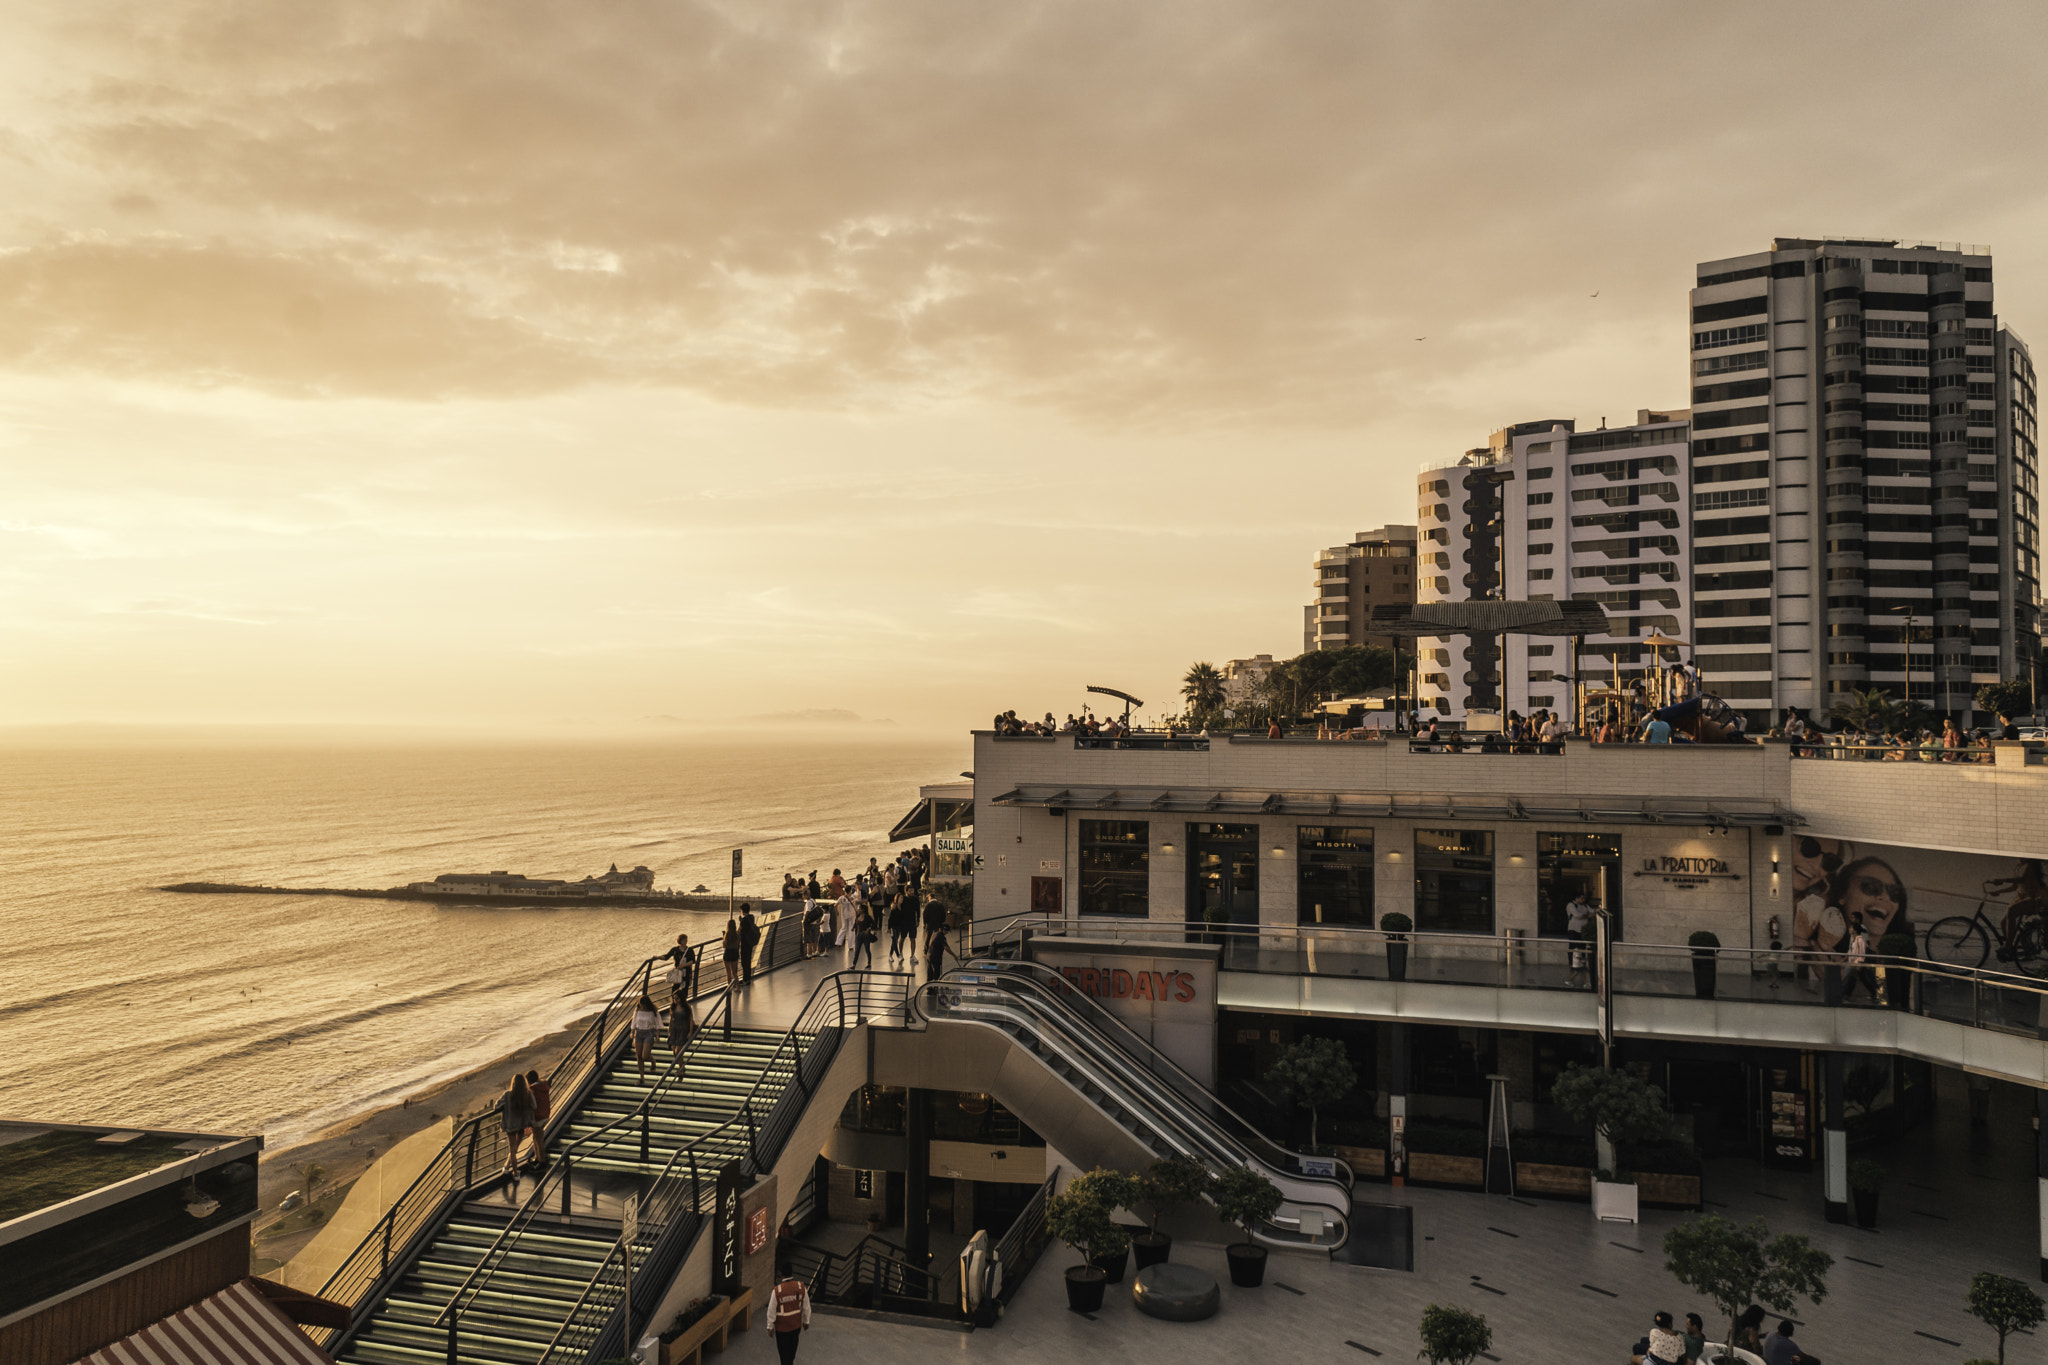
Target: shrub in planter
1397 927
1703 943
1246 1198
1077 1216
1167 1184
1619 1107
1453 1336
1866 1182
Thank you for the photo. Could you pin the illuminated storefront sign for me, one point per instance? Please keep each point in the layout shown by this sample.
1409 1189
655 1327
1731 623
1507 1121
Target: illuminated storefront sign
1116 983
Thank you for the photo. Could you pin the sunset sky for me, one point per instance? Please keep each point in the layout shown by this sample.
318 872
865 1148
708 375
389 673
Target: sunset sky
512 363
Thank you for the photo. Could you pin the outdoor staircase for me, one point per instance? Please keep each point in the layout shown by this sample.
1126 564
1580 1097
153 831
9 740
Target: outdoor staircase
717 1078
543 1272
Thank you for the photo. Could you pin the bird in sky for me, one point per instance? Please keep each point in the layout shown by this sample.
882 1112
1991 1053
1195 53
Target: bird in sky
1422 338
1596 294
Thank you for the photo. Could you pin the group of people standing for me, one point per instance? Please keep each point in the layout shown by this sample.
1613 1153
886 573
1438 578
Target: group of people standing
853 914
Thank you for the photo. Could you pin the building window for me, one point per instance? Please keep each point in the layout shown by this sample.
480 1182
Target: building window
1538 499
1567 864
1116 867
1454 881
1334 876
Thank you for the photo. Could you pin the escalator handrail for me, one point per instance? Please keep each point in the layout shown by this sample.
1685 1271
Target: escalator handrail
1171 1072
1158 1110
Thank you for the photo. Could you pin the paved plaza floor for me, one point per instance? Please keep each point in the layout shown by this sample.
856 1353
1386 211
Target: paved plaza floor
1555 1285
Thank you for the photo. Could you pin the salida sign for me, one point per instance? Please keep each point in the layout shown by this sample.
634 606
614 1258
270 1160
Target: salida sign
1115 983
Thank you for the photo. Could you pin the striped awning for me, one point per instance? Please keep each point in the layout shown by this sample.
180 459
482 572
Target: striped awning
237 1326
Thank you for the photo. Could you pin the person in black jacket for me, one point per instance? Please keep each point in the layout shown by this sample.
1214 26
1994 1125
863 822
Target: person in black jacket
750 939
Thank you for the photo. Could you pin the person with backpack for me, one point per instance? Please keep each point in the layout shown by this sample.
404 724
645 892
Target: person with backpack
789 1311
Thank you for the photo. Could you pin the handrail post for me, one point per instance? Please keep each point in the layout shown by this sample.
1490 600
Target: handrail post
696 1194
565 1182
451 1339
388 1215
469 1161
644 1106
753 1144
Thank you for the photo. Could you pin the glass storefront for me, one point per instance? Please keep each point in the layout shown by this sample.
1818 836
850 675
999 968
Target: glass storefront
1454 881
1116 868
1567 864
1334 878
1223 875
953 840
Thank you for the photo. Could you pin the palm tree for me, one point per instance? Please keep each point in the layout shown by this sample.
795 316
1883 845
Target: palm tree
1202 689
1873 712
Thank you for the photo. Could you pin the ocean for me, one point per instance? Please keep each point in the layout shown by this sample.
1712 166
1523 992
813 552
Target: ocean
283 1014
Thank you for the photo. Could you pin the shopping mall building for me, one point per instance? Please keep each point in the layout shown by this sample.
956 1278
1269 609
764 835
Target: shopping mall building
1277 867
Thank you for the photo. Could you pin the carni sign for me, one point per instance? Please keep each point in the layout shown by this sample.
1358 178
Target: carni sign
725 1231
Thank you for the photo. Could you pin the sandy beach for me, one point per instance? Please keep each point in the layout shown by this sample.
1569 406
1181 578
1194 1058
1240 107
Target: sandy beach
346 1149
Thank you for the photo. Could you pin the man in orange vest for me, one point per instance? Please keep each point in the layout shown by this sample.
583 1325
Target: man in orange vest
789 1312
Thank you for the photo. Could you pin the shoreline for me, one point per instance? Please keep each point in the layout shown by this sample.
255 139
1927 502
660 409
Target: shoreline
346 1148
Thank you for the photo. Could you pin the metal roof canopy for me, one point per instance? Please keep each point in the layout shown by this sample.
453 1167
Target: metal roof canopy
1489 618
925 817
1618 810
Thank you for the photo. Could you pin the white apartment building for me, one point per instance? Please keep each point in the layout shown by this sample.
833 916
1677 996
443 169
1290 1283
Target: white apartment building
1869 432
1546 512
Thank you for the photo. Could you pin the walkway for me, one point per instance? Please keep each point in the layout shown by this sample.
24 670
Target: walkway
1554 1285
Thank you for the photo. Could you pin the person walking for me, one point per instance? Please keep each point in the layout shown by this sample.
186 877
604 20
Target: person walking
750 939
646 1023
683 957
935 950
682 1025
731 945
863 937
789 1311
902 928
1577 917
543 1093
515 1116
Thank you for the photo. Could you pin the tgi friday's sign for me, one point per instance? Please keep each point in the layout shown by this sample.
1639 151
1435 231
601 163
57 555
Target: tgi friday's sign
1166 993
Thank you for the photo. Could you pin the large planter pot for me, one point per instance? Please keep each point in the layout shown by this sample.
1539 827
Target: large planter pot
1447 1170
1084 1288
1247 1265
688 1349
1367 1163
1397 961
1866 1207
1667 1190
1614 1202
1538 1177
1151 1248
1703 974
1113 1266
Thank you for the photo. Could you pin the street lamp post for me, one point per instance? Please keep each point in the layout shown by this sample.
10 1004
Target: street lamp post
1908 629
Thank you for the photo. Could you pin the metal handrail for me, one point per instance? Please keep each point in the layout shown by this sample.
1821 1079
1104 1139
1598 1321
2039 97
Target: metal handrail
677 1192
558 1177
838 1273
781 950
1166 1114
1190 1091
1011 1252
424 1201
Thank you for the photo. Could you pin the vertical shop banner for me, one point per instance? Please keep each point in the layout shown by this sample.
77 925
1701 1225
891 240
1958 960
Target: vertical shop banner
725 1231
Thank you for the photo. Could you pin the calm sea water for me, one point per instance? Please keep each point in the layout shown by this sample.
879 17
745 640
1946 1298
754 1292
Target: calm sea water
281 1014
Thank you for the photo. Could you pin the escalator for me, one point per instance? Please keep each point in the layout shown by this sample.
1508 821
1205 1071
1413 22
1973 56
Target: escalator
1141 1090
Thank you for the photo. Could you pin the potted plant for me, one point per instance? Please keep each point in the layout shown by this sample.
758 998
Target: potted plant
1113 1190
2005 1305
1077 1216
1734 1265
1703 943
1620 1109
1397 927
1453 1336
1898 946
1246 1198
1866 1182
1169 1183
1313 1072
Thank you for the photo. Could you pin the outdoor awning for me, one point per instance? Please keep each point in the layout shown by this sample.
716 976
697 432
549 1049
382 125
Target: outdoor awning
237 1326
928 815
1340 806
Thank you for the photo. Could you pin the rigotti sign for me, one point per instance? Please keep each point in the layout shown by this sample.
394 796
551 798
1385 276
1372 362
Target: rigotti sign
1118 983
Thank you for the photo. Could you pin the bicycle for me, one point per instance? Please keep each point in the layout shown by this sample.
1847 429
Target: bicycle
1967 941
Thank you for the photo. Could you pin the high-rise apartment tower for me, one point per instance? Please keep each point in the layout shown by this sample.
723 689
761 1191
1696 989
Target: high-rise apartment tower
1376 567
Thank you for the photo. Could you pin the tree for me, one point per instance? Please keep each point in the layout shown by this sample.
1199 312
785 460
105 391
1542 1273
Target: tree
1735 1266
1361 668
1173 1181
2013 697
1080 1214
2004 1304
1619 1107
1873 712
1312 673
1246 1198
1453 1336
1314 1072
1202 688
315 1173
